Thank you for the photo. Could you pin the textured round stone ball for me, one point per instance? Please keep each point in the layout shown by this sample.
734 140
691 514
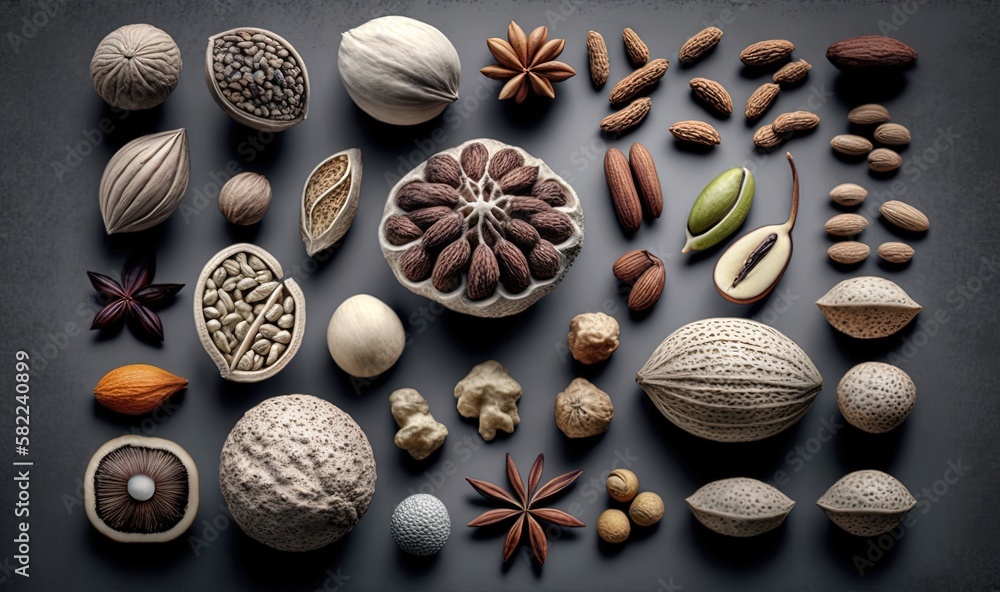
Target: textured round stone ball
420 525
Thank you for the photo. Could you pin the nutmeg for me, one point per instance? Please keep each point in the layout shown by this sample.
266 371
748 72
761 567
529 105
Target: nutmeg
245 198
613 526
646 509
622 485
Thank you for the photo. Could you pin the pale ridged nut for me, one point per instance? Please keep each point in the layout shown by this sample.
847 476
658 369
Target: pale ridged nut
851 145
895 252
245 198
904 216
869 114
848 194
892 134
638 81
846 224
848 252
883 160
622 485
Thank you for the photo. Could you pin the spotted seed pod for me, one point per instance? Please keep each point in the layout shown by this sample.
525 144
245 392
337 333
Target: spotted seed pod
876 397
867 503
740 507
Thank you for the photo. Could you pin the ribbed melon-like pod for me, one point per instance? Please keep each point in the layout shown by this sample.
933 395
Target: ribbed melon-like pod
730 380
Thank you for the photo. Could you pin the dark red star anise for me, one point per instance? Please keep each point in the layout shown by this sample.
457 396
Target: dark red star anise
134 298
525 507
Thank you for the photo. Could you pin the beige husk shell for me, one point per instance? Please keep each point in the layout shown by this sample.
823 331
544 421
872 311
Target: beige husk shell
136 67
739 507
868 307
867 503
330 200
290 287
730 380
145 181
876 397
263 124
89 499
502 303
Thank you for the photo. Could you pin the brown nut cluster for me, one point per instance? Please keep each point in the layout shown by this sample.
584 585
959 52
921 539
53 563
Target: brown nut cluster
483 228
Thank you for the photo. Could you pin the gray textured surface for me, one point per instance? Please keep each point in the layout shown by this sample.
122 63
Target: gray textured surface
51 233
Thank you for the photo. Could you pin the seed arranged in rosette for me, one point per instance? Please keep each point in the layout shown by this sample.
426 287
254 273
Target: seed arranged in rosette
249 320
483 228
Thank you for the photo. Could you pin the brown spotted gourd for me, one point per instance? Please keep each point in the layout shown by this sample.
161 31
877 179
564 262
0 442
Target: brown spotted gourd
876 397
868 307
739 507
867 503
730 380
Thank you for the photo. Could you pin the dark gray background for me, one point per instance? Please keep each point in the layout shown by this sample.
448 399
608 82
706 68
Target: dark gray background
52 233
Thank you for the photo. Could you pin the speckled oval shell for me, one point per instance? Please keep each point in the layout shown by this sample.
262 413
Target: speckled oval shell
868 307
867 503
876 397
740 507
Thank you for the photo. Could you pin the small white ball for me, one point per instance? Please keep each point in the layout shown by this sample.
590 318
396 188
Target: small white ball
365 336
420 525
141 487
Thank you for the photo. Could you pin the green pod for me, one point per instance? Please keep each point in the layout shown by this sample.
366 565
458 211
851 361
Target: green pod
720 209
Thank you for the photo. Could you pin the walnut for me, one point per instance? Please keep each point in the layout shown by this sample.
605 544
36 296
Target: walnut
593 337
489 393
583 410
419 434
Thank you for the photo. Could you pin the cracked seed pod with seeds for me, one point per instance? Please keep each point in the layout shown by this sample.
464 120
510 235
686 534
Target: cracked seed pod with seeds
483 228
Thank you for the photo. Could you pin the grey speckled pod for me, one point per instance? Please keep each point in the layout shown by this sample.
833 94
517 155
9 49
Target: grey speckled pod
136 67
739 507
876 397
297 473
730 380
868 307
867 503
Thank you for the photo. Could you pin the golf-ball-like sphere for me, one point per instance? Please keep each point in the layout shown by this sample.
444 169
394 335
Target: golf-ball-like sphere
420 525
141 487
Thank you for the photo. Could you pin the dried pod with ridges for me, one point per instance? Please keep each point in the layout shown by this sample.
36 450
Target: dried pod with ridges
713 95
444 232
330 200
796 121
851 145
699 45
884 160
848 194
765 53
145 181
416 264
876 397
424 218
848 252
868 307
892 134
739 507
628 117
846 224
631 265
544 260
870 53
894 252
450 262
624 195
442 168
484 274
647 181
136 67
419 194
761 100
868 114
635 48
638 81
904 216
766 139
792 73
696 132
522 234
400 230
730 380
554 226
597 52
648 288
514 272
550 192
245 198
867 503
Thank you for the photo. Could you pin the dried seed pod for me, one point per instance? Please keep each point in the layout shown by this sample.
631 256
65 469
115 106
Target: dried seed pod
765 53
424 218
624 195
416 264
851 145
884 160
751 381
765 138
136 67
635 48
796 121
550 192
895 252
544 260
876 397
444 232
870 114
449 264
868 307
647 180
504 161
330 200
696 132
638 81
631 265
648 288
848 194
848 252
145 181
628 117
519 181
419 195
484 274
867 503
739 507
554 226
514 273
870 54
522 234
846 225
712 94
904 216
597 51
761 100
699 45
792 73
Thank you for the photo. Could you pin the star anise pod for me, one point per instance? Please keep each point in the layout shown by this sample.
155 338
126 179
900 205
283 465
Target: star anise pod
527 63
525 507
134 297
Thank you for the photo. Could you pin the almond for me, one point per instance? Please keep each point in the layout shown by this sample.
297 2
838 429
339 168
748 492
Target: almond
846 224
870 53
870 114
765 137
416 264
892 134
647 180
137 389
597 51
631 265
796 121
623 192
851 145
648 288
514 272
712 94
848 252
553 225
904 216
400 230
484 274
760 101
765 53
792 73
638 81
638 53
699 45
629 117
697 132
454 257
883 160
848 194
895 252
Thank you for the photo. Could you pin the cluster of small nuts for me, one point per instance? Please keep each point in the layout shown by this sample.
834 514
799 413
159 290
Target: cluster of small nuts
893 135
645 509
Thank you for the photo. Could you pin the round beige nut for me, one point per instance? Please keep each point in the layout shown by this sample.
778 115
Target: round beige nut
646 509
622 485
245 198
365 336
583 410
593 337
613 526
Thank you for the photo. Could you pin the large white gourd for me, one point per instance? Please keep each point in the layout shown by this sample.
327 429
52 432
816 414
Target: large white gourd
399 70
